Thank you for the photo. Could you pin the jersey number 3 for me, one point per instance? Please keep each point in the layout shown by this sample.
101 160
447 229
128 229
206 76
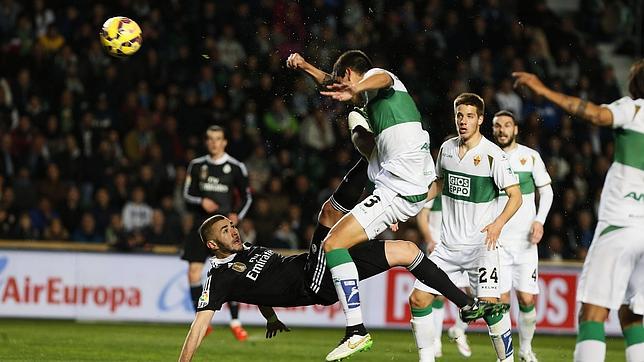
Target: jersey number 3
374 199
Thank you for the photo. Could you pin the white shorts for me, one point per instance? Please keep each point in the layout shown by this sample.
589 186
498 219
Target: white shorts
383 208
519 267
462 280
613 272
480 264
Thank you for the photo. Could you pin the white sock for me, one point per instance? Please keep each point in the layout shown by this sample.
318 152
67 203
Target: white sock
635 352
460 326
345 279
501 335
423 328
439 316
527 325
591 350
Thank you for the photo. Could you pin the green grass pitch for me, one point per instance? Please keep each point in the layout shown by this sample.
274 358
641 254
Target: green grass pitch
46 340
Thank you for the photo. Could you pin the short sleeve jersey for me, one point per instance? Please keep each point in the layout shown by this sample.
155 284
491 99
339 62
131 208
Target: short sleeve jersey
259 276
402 144
622 199
470 190
531 171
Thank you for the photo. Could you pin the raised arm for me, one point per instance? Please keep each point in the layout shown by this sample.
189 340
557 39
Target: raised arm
296 61
196 334
597 115
273 324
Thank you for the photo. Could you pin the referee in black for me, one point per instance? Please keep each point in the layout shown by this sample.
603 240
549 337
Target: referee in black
215 184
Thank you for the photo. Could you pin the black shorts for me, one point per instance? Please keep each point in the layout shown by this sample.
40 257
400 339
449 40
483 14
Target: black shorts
194 251
370 260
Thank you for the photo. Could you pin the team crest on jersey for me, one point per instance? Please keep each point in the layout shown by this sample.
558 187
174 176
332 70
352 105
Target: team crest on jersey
238 267
226 168
204 299
523 160
477 160
204 172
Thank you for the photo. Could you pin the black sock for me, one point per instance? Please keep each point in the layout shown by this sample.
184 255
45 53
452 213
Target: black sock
234 310
357 329
195 293
431 275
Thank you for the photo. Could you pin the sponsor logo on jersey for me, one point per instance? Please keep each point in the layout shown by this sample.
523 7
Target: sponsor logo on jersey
425 147
458 185
238 266
204 172
477 160
226 168
523 160
351 293
635 196
260 261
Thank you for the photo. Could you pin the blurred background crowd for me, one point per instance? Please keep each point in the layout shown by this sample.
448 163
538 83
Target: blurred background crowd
87 141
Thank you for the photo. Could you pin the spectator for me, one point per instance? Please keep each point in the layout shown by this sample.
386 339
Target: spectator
136 213
56 231
86 231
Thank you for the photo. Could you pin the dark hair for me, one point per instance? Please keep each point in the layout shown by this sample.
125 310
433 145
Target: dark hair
216 128
357 60
636 80
470 99
506 113
206 231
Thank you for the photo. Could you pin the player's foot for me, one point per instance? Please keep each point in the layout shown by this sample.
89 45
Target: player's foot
356 339
480 309
209 330
527 356
438 348
239 332
458 336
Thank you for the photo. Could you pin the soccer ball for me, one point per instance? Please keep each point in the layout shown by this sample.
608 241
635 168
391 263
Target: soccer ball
121 36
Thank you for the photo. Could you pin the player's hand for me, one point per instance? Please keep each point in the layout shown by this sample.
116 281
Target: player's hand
493 231
273 328
340 91
233 217
295 61
208 205
394 227
529 80
536 232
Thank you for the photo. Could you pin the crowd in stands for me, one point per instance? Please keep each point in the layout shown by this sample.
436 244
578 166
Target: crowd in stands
94 148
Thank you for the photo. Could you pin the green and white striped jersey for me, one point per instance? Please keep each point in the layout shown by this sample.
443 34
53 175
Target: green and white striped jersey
531 171
622 199
401 143
470 190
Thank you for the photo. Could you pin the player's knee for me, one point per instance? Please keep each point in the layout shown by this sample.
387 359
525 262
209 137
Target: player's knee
329 215
401 252
409 251
331 243
505 297
194 274
525 299
419 299
592 313
627 318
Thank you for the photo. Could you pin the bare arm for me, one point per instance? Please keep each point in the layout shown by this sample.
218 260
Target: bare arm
296 61
434 189
349 91
196 334
374 82
493 230
597 115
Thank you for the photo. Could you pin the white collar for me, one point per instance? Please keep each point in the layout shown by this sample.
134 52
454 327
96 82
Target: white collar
220 161
215 262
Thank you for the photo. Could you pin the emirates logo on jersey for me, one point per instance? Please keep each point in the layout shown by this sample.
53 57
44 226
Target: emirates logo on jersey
477 160
523 161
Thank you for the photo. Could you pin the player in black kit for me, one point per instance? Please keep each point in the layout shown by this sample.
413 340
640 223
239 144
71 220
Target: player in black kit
257 275
215 183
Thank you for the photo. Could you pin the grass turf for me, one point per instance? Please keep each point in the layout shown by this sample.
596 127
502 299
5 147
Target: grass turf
67 340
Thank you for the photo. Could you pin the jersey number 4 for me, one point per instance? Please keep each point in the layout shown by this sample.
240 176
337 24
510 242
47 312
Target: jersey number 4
483 275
